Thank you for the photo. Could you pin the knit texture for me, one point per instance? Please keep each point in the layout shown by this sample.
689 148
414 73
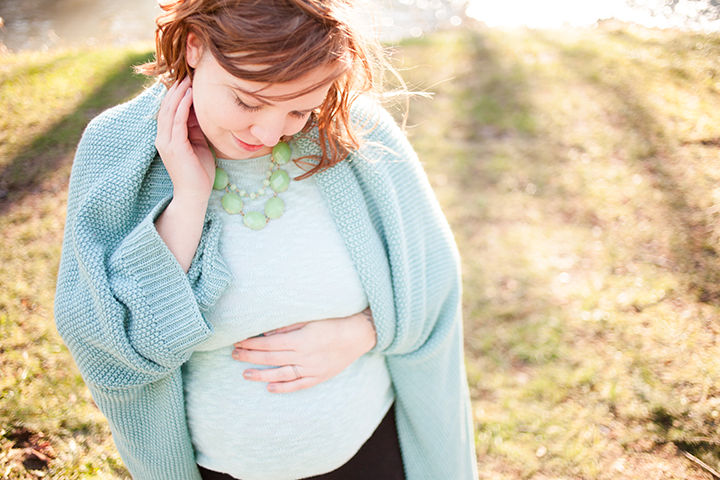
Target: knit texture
296 269
131 317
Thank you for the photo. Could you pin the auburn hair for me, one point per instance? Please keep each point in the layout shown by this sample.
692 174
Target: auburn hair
277 41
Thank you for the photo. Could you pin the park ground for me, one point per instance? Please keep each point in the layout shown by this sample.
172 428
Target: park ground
580 172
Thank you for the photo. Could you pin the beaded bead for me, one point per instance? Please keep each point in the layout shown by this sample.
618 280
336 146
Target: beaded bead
279 181
232 203
255 220
274 208
221 179
281 153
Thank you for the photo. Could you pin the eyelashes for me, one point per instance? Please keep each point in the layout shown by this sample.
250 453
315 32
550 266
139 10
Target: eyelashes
245 106
248 108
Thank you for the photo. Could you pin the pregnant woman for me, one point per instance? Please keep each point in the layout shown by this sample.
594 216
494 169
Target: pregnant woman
256 280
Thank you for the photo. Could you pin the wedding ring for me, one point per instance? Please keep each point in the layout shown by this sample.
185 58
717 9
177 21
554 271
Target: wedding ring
296 372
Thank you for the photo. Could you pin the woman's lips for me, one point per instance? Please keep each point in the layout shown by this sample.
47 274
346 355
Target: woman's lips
247 146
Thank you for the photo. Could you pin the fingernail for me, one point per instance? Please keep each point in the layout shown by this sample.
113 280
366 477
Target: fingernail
235 354
247 375
272 388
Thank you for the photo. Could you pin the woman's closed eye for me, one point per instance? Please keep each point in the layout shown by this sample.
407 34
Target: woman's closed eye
245 106
249 108
299 115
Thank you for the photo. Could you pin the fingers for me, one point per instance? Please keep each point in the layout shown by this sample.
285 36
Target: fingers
169 107
269 375
287 387
261 343
271 343
172 133
260 357
282 379
289 328
179 124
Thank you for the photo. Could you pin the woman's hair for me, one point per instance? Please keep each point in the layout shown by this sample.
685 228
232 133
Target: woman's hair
277 41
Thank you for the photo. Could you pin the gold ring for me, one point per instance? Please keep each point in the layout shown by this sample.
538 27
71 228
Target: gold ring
296 372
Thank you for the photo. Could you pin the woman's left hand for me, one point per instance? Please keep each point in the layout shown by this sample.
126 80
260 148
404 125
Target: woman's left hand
318 351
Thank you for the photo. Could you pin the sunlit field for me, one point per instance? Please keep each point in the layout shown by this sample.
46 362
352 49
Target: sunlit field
579 170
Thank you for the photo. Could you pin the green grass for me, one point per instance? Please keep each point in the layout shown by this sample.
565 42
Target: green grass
45 102
579 170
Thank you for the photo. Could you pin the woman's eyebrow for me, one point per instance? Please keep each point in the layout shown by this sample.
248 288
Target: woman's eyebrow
250 94
310 109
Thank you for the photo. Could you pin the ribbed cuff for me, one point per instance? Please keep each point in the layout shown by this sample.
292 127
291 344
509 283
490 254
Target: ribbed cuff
174 324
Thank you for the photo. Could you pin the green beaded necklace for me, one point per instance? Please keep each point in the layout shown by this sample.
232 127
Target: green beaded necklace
277 179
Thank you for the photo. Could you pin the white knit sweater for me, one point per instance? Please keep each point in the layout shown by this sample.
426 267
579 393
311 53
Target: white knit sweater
296 269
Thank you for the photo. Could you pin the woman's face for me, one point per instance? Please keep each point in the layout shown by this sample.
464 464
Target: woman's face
239 125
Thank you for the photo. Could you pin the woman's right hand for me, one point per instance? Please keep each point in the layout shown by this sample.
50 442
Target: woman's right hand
189 162
183 147
307 353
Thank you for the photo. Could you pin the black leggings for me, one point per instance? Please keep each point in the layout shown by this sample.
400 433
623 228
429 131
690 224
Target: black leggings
378 459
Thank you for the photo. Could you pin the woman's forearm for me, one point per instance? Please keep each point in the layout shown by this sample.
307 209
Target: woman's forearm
180 226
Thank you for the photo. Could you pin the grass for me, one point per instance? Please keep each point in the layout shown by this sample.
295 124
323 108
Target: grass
49 425
579 171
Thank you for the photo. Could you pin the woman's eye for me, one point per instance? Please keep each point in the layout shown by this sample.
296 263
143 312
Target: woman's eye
245 106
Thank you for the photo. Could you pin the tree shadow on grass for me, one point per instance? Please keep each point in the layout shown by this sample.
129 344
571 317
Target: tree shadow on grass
491 105
476 132
694 255
51 151
494 94
692 246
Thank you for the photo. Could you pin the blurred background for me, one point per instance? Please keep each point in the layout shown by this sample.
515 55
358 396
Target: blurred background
43 24
574 147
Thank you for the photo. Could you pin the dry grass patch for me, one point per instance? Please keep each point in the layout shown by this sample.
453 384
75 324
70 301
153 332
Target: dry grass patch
579 171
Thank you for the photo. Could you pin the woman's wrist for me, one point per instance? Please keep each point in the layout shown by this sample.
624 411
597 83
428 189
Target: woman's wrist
192 203
367 317
180 226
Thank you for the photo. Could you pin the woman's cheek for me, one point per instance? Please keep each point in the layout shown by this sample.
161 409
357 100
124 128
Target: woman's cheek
297 125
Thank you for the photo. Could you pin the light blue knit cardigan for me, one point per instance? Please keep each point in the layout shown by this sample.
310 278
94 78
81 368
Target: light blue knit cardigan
131 317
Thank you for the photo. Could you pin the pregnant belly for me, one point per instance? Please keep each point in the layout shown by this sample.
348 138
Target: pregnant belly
239 428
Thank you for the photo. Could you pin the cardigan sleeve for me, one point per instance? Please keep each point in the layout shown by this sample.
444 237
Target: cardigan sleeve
127 311
423 261
419 323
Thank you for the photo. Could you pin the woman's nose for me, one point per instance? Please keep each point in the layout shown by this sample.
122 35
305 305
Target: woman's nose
268 133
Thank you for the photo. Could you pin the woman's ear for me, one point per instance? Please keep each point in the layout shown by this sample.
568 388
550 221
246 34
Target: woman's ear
193 50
